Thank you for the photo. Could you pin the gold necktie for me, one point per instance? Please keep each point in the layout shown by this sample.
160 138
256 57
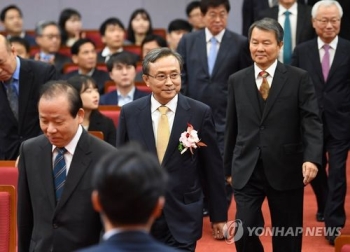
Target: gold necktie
265 87
163 133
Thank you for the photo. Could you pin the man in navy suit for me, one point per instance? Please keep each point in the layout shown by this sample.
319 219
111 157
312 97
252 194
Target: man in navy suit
331 78
27 76
128 217
210 85
122 70
159 131
85 56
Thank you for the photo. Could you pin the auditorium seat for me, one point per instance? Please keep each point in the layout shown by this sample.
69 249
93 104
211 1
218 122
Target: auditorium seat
111 111
133 49
342 243
160 32
95 36
8 173
110 86
8 218
98 134
143 87
63 50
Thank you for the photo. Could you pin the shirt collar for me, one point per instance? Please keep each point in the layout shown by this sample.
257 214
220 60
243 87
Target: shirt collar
15 75
171 104
333 44
72 145
89 73
106 52
270 70
130 94
293 9
218 37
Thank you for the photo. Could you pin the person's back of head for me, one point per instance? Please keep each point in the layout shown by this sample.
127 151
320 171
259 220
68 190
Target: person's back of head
129 187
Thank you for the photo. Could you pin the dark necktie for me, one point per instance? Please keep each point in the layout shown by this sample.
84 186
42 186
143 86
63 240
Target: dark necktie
59 172
265 87
325 62
12 97
287 45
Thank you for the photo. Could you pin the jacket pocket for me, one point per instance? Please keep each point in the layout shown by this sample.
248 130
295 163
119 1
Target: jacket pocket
193 196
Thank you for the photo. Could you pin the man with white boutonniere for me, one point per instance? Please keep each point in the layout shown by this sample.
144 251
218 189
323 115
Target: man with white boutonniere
181 133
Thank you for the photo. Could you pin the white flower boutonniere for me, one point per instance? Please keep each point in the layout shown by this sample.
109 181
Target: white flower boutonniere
189 140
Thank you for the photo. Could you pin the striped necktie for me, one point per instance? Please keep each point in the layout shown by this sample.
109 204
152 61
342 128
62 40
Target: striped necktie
59 172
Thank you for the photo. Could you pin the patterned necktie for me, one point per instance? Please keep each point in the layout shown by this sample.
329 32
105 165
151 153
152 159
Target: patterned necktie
163 133
287 42
212 54
265 87
12 97
59 172
325 62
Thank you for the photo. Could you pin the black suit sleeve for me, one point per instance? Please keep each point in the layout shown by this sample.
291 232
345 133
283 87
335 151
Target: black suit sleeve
181 49
111 134
122 134
24 209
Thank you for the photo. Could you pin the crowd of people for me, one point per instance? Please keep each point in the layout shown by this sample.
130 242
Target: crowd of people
230 117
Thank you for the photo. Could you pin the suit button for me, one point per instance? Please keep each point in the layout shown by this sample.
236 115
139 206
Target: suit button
55 226
262 127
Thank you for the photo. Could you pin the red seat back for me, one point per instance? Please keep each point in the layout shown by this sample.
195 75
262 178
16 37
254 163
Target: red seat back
111 111
8 212
8 173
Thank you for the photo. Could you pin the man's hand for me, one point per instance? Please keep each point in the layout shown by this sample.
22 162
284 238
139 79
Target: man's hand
309 172
217 230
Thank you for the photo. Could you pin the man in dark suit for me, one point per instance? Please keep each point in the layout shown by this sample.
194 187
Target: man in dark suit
206 83
327 59
19 121
48 38
300 23
273 141
55 212
127 225
251 9
122 70
146 122
85 56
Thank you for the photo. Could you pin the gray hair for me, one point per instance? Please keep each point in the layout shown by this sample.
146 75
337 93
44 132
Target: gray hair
158 53
268 24
325 3
41 25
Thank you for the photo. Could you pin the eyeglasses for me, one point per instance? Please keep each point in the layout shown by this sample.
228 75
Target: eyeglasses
163 77
51 36
213 15
333 21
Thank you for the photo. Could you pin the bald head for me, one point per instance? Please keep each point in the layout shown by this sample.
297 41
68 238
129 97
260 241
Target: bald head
7 59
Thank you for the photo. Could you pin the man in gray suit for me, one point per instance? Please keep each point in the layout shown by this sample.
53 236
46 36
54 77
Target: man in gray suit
55 212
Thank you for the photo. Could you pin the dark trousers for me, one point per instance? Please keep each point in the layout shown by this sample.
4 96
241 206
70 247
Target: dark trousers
335 204
286 209
160 231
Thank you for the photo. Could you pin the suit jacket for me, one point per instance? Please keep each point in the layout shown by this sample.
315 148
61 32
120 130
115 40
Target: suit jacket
72 223
250 12
334 94
286 134
102 59
130 241
32 75
59 62
304 31
111 98
184 198
232 56
99 76
99 122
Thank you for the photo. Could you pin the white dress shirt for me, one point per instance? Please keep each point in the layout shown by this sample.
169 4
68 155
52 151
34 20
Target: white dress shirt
271 71
332 48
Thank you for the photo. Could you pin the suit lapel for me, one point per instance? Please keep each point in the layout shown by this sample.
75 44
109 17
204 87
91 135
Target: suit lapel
201 43
300 22
145 125
25 89
222 53
251 90
80 163
279 79
182 117
315 56
47 172
339 57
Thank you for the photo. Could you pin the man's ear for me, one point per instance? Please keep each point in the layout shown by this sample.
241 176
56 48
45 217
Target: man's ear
96 201
75 59
157 211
